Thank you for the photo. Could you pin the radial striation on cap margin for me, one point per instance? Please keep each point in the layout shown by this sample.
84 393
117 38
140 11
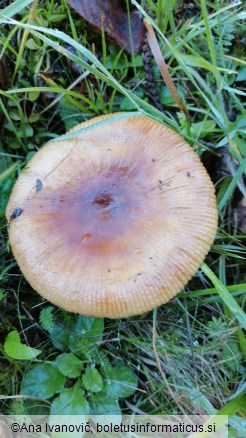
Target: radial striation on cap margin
114 221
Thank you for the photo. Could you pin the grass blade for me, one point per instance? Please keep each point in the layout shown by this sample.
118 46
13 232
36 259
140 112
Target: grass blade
225 296
13 9
230 189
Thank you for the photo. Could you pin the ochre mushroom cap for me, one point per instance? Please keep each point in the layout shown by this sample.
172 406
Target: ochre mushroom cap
114 221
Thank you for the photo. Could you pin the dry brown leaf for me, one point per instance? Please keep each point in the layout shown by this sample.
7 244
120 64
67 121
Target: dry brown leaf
155 48
111 16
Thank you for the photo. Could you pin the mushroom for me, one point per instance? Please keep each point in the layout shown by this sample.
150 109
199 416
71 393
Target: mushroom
114 221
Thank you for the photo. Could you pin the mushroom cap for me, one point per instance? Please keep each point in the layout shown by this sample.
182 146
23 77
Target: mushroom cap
114 221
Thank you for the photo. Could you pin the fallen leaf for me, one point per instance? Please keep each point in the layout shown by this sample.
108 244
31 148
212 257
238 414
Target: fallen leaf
111 16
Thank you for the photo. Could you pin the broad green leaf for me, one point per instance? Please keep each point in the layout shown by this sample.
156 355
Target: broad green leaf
200 401
27 132
69 365
166 97
34 117
60 336
120 382
86 333
234 405
201 129
69 116
241 76
128 105
232 355
33 95
31 44
71 401
104 406
15 349
32 406
92 380
43 381
238 423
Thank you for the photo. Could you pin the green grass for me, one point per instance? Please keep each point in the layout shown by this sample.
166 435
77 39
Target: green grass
189 354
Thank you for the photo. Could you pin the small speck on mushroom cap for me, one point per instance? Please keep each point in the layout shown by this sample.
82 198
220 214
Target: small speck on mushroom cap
125 216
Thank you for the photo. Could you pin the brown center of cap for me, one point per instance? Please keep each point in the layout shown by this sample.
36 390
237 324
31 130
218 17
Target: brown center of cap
98 212
103 199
